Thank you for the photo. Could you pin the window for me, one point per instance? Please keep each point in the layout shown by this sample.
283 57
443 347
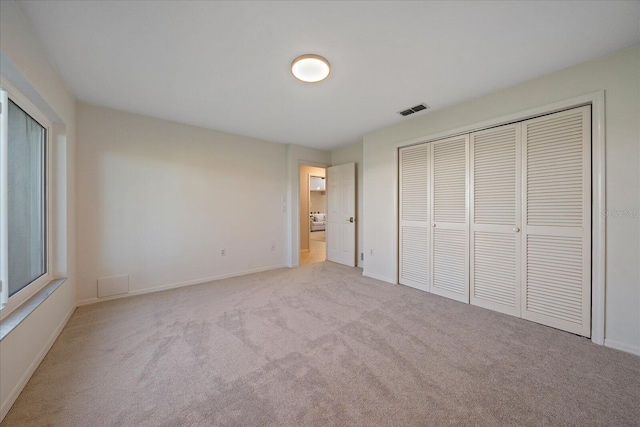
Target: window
24 230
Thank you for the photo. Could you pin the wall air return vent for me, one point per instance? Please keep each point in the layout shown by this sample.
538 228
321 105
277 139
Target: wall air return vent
412 110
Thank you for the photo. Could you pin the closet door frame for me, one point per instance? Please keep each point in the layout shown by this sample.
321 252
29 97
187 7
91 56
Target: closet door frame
598 131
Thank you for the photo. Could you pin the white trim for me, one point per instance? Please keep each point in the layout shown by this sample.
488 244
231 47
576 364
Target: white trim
618 345
598 226
4 244
396 220
18 299
13 395
15 301
179 284
17 316
23 102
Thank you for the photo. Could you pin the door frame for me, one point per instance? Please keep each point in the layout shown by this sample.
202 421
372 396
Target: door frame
598 223
295 204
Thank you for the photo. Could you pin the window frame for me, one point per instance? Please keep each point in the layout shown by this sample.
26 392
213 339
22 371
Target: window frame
10 303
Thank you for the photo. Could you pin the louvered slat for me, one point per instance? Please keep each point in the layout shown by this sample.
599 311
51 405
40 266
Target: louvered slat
414 216
495 208
449 261
494 176
555 166
449 236
414 173
414 262
449 186
494 265
566 302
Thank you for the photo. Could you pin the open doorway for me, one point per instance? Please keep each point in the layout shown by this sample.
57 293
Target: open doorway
313 211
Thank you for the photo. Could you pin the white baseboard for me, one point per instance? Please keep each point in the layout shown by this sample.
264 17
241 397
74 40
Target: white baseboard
383 278
11 399
179 285
622 346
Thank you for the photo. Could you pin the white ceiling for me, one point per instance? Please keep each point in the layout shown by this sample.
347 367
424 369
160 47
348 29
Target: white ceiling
225 65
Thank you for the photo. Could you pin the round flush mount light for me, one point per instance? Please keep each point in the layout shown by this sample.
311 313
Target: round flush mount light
310 68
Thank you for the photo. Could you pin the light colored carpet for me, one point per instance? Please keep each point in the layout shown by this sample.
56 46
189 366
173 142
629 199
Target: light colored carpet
320 345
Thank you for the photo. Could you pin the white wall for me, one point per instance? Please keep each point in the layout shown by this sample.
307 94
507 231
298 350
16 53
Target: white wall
159 200
31 72
619 75
353 154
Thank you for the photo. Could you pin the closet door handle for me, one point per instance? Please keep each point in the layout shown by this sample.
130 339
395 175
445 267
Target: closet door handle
516 229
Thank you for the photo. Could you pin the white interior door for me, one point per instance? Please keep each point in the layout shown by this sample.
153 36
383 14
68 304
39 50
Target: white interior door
414 216
557 225
450 218
341 214
494 156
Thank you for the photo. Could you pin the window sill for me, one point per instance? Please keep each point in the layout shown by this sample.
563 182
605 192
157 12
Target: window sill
16 317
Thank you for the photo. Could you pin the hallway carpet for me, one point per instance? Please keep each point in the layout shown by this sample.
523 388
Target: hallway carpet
320 345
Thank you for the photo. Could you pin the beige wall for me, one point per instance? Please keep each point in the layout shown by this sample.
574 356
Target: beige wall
619 76
26 66
318 202
159 200
305 172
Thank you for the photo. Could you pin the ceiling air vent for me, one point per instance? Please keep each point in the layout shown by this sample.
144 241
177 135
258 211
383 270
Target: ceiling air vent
412 110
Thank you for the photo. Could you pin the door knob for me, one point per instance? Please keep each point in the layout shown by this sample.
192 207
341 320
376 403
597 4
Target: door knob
351 219
516 229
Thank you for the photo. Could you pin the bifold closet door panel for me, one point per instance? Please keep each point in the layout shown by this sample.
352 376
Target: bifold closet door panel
557 229
450 219
494 157
414 216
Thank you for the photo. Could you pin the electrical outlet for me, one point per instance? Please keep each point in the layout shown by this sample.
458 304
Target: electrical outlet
273 246
223 252
370 251
361 256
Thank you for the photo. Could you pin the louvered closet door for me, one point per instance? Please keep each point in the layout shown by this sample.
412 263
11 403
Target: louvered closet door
414 221
557 228
494 156
450 231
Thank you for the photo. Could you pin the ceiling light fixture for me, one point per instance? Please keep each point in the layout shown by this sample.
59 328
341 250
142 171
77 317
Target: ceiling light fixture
310 68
